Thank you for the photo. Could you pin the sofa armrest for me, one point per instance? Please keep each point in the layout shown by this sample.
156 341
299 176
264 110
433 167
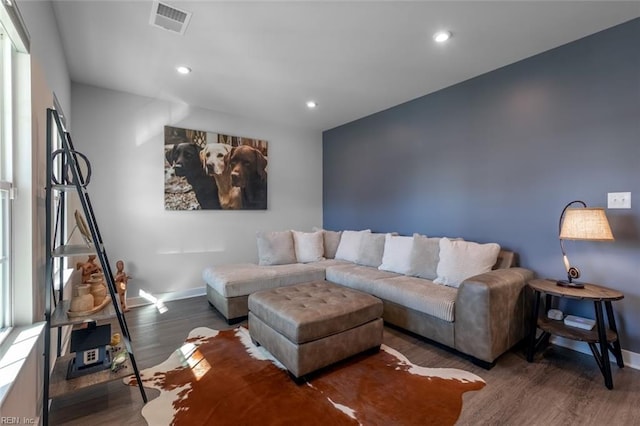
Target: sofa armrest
491 312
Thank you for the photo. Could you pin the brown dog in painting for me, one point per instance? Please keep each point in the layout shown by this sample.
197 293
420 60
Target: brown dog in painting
249 173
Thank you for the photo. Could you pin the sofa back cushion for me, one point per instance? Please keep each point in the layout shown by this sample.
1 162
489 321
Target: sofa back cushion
397 254
349 245
371 250
425 255
506 259
460 260
276 248
309 246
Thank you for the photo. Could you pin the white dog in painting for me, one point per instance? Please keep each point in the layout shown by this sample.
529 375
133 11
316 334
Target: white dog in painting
212 157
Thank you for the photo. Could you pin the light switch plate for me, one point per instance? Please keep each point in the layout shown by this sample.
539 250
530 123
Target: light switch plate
619 200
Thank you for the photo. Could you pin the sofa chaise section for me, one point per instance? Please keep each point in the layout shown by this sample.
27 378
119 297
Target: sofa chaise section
229 286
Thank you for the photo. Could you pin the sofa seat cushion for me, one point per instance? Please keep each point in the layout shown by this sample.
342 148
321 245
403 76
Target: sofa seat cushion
356 276
324 264
245 278
418 294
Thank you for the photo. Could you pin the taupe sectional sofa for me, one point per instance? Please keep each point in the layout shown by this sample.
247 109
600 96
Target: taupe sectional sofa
482 316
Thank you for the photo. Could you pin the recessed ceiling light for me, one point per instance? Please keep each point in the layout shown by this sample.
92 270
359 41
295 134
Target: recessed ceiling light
442 36
183 70
312 104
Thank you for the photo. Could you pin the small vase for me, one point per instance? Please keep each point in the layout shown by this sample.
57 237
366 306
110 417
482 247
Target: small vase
98 291
82 301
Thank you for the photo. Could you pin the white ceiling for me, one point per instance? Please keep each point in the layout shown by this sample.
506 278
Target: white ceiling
266 59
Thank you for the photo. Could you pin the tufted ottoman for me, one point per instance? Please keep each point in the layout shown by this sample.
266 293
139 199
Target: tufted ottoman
311 325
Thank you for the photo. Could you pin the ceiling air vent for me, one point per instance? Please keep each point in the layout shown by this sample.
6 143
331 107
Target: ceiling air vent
169 18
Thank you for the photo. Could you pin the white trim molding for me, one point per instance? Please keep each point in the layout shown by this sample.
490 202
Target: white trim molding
133 302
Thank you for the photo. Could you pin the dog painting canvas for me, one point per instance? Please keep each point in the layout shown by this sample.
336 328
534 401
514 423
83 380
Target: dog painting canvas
213 171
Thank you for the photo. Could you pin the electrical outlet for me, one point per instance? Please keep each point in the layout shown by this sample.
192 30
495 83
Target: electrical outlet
619 200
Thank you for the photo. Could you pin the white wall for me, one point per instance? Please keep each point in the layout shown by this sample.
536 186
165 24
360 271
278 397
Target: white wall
47 47
166 251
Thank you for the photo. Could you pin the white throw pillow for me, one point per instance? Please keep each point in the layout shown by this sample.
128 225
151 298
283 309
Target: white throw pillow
397 254
309 246
349 245
460 260
276 248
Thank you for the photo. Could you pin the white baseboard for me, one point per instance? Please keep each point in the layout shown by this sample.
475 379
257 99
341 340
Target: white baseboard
631 359
132 302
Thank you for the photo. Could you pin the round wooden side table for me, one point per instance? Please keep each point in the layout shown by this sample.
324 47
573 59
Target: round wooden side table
606 337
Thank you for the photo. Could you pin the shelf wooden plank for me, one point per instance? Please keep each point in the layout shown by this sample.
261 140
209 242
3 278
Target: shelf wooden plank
59 316
73 250
558 328
59 385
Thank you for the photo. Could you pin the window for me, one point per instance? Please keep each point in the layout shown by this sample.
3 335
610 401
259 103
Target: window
6 50
8 53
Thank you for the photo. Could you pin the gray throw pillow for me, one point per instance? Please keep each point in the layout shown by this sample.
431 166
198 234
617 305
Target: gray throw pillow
371 250
276 248
425 256
331 242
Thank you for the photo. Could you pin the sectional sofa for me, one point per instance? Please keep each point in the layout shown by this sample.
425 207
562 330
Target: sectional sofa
468 296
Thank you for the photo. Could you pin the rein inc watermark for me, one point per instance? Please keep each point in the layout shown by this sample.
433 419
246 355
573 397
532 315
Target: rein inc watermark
16 420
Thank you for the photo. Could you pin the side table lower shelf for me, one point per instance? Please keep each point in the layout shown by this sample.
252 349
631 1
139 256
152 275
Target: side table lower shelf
59 385
558 328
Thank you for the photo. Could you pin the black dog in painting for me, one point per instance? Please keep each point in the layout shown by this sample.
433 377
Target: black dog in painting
185 158
249 172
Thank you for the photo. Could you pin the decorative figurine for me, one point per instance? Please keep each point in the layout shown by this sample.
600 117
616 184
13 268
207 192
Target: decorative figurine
89 267
121 280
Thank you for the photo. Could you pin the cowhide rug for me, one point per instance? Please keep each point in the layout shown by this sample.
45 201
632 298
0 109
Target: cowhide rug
222 378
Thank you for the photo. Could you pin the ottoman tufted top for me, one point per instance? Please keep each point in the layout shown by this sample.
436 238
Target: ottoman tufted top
311 311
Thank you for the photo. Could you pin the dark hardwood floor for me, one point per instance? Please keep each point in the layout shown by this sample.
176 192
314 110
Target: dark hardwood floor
561 387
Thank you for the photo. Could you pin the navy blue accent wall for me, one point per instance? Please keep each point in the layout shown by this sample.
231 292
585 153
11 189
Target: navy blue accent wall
496 158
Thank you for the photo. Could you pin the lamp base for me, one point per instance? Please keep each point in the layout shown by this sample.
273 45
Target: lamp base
573 284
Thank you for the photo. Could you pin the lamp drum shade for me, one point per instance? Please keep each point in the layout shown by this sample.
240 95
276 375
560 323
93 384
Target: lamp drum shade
588 223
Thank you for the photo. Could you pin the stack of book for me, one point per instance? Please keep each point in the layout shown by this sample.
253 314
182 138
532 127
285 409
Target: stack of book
579 322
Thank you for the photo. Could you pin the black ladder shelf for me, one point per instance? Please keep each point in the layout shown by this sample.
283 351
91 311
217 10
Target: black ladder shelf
54 382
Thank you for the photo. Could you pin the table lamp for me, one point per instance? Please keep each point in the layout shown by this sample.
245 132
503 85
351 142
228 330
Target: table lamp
582 223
